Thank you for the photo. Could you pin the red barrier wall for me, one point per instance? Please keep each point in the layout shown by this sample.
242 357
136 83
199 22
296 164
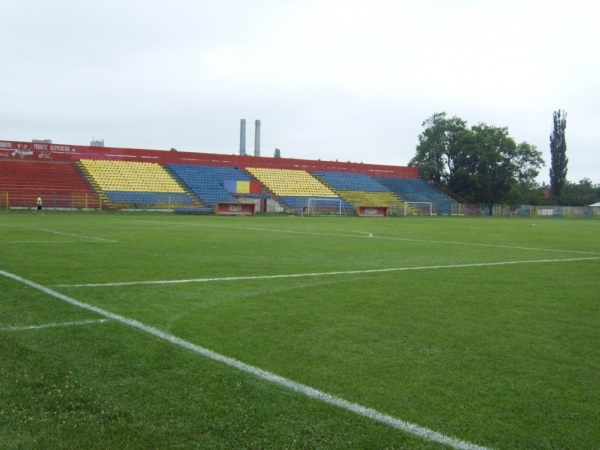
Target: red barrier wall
61 152
372 211
235 209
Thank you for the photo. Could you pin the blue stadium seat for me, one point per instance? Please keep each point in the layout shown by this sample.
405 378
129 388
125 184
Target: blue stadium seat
342 181
207 182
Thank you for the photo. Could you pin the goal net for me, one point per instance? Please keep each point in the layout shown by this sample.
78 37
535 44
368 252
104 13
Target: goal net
419 209
325 206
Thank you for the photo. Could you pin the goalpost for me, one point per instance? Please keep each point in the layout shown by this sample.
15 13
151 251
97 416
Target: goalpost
325 206
419 209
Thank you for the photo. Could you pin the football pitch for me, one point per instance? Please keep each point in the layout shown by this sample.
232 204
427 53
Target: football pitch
150 330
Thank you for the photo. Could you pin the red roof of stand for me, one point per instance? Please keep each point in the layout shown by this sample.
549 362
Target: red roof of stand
65 152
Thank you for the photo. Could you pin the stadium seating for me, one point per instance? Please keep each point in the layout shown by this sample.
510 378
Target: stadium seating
294 187
365 198
287 182
60 184
136 184
208 182
340 181
418 190
131 176
361 190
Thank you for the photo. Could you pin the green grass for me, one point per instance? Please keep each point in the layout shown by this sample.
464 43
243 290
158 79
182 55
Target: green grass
487 332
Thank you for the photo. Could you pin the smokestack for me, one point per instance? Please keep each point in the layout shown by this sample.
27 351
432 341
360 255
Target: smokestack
257 138
243 137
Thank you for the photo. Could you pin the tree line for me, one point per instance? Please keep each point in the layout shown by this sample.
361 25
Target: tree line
484 164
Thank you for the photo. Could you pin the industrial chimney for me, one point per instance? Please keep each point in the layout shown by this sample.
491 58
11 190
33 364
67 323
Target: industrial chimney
243 137
257 138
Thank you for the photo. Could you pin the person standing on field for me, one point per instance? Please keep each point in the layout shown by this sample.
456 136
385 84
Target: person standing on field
39 206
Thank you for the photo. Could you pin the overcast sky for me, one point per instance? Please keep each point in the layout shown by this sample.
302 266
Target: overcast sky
351 80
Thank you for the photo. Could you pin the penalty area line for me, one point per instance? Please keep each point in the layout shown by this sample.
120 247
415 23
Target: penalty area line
324 274
315 394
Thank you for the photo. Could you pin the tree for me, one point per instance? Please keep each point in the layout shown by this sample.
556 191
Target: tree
558 153
482 164
527 190
583 193
277 153
437 147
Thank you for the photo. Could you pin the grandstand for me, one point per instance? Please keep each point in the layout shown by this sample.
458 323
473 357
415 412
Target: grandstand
72 176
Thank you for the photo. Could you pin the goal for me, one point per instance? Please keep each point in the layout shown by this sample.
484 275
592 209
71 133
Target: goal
419 209
325 206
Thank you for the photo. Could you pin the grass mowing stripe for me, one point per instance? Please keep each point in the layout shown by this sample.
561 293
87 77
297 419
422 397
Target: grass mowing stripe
54 325
360 234
364 234
407 427
323 274
509 247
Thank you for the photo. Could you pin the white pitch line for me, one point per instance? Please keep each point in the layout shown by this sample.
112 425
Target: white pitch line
70 234
324 274
311 233
53 325
315 394
40 242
